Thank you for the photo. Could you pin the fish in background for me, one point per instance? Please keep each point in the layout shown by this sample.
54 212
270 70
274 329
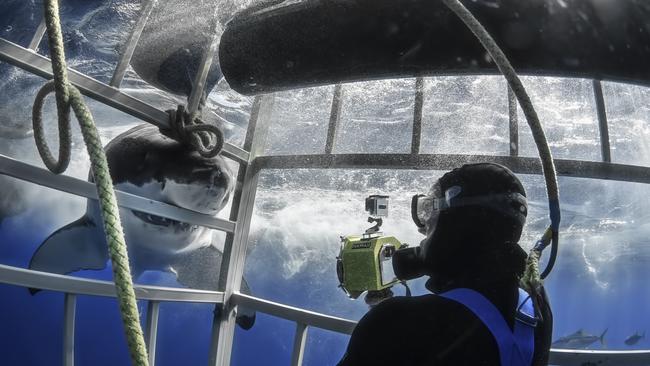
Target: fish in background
144 162
579 340
634 338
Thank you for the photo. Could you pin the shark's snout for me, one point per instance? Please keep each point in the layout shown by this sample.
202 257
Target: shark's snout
208 197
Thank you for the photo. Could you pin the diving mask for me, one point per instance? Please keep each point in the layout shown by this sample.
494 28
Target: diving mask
425 209
409 263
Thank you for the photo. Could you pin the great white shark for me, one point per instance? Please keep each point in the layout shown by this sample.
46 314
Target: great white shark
578 340
144 162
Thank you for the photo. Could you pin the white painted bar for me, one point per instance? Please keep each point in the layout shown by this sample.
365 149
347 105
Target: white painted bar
43 177
298 315
82 286
204 66
299 341
132 43
69 311
582 357
38 36
522 165
151 330
222 349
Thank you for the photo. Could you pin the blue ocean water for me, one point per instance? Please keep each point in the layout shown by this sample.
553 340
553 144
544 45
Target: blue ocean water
598 282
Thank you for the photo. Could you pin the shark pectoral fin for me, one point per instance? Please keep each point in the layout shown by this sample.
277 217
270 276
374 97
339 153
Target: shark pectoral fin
200 269
78 245
245 316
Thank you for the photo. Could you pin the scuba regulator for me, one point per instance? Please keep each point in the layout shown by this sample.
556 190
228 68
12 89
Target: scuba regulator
364 262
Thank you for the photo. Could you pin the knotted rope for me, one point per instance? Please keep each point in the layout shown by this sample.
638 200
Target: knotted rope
188 129
68 96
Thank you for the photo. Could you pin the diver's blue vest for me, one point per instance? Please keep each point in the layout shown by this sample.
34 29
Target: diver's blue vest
515 348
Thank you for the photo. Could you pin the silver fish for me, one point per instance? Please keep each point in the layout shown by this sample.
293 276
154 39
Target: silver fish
634 338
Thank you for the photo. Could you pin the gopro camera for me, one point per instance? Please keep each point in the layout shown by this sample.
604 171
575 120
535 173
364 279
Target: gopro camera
377 205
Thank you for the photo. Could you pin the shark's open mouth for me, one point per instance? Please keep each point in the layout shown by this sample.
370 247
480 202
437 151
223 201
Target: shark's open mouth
161 221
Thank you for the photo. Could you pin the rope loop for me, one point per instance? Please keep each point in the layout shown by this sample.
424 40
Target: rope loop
69 97
65 135
188 129
548 166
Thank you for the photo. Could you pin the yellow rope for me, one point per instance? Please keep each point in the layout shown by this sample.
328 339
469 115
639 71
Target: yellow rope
531 281
68 96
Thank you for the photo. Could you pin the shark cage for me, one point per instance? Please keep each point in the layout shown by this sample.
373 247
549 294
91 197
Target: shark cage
271 50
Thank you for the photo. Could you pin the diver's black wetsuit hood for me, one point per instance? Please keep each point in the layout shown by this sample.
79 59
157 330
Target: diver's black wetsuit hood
475 236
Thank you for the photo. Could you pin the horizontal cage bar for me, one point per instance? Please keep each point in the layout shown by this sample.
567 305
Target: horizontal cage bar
40 176
41 66
302 316
67 284
522 165
82 286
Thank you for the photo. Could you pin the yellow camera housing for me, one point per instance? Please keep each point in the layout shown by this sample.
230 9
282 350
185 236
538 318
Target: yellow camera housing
364 263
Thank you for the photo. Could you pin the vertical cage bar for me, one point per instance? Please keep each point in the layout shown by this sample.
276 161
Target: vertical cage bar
204 67
38 36
335 116
234 210
222 340
69 309
514 122
127 54
226 325
602 122
151 329
299 341
417 115
236 198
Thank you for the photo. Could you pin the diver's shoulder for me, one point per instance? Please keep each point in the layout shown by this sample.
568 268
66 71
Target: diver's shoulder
410 303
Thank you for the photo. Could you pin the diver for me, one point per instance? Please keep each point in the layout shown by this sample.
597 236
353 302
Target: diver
473 218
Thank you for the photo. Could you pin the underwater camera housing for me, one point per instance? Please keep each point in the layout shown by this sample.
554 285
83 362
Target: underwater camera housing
365 261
